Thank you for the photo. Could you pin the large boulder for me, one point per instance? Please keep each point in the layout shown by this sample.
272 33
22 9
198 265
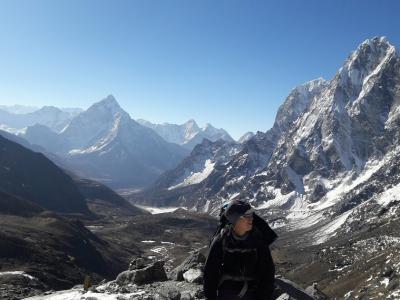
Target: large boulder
193 275
152 273
315 292
195 261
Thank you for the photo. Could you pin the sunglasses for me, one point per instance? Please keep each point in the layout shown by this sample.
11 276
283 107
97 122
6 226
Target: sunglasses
248 216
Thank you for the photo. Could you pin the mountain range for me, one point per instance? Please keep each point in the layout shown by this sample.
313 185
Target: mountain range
188 134
104 143
16 118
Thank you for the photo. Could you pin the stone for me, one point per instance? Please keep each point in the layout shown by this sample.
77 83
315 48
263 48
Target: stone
137 263
388 271
125 277
315 292
154 272
185 295
193 275
195 260
284 297
149 274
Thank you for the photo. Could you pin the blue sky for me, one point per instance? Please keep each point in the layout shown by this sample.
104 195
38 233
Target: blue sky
230 63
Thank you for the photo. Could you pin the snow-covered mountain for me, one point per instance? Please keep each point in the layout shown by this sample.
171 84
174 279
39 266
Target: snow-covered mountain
54 118
346 129
104 143
188 134
246 160
328 137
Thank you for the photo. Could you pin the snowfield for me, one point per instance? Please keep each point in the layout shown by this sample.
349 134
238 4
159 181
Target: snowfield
196 177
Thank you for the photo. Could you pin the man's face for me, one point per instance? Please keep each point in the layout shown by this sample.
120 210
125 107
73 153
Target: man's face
244 223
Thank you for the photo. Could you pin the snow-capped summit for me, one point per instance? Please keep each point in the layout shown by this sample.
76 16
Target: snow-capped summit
343 126
294 105
94 124
188 134
208 132
106 107
104 143
190 130
211 130
109 103
191 125
365 62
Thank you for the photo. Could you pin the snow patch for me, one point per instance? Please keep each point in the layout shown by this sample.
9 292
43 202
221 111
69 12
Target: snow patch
392 193
347 184
22 273
80 294
196 177
158 210
329 230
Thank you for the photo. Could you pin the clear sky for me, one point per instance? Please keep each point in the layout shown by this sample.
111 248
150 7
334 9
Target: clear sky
230 63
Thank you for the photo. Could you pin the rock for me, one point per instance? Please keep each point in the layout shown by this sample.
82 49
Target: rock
125 277
154 272
388 271
315 292
137 263
318 192
159 297
284 297
195 261
103 282
171 293
193 275
186 296
393 285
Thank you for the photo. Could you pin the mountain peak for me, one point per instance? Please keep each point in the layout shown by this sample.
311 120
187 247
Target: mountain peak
376 47
109 100
208 126
377 41
48 108
310 86
369 58
192 125
107 106
191 122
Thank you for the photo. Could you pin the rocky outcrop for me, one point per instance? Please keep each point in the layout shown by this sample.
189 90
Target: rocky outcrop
143 275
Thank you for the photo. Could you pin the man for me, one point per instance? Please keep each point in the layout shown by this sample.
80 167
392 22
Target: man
239 265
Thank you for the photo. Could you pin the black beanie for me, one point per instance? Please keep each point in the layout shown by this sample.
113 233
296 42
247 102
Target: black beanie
236 209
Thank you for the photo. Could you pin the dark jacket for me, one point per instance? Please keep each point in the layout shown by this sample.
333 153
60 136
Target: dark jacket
238 261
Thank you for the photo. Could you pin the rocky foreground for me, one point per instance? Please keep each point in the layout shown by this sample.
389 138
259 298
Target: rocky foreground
148 280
